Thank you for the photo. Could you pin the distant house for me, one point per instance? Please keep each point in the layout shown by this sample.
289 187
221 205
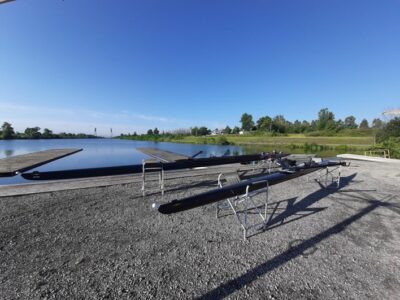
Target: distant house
241 132
216 132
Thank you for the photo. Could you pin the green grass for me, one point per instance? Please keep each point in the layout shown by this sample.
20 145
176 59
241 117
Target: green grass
293 139
325 146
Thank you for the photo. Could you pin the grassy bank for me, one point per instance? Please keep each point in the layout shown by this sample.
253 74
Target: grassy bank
294 139
293 142
291 139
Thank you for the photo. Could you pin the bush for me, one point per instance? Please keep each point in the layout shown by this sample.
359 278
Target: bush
342 148
321 133
222 141
393 144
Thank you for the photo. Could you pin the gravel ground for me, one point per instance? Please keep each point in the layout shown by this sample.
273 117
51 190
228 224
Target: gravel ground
106 243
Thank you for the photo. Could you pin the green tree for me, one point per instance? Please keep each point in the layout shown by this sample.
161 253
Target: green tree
32 132
377 123
364 124
247 122
227 130
203 131
326 120
390 129
339 125
235 130
314 125
306 126
297 127
350 122
47 133
279 124
194 131
156 131
264 123
150 132
7 131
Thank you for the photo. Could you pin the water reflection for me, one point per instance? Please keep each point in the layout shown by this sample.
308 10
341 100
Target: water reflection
8 152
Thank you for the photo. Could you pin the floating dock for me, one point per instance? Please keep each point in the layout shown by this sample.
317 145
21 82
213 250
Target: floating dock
163 155
10 166
368 158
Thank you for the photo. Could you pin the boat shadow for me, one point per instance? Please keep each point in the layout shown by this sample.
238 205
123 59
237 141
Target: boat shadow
294 211
303 206
297 247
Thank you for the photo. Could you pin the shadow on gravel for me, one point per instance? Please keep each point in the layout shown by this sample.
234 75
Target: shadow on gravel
362 197
296 250
303 206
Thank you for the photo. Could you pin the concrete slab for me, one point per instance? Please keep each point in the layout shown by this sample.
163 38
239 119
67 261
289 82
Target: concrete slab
369 158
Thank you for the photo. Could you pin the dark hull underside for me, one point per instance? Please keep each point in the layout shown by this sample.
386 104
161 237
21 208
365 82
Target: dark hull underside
132 169
237 189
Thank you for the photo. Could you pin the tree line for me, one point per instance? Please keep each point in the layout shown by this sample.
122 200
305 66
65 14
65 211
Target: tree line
325 124
7 132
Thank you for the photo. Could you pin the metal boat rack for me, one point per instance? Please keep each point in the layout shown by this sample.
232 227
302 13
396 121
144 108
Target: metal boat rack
265 163
152 166
243 206
328 176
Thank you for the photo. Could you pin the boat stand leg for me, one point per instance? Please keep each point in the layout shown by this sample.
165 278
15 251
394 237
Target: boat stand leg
239 220
339 175
326 177
266 206
248 202
244 224
162 181
143 178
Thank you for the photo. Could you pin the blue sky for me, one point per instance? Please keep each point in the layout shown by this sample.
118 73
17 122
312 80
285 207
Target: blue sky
132 65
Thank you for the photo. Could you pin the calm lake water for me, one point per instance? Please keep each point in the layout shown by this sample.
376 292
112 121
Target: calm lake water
112 152
101 152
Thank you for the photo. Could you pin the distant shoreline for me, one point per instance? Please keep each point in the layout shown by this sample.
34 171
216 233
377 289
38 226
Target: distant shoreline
52 138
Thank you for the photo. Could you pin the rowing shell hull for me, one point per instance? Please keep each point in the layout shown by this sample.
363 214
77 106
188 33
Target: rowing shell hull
237 189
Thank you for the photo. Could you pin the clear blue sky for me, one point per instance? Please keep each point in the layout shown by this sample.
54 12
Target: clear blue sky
132 65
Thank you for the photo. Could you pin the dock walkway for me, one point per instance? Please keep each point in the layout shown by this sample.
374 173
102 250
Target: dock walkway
20 163
163 155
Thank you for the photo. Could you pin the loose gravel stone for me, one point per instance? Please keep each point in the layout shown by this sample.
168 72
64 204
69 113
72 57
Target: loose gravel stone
107 243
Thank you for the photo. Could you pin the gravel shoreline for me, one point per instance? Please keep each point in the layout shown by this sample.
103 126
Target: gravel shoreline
107 243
